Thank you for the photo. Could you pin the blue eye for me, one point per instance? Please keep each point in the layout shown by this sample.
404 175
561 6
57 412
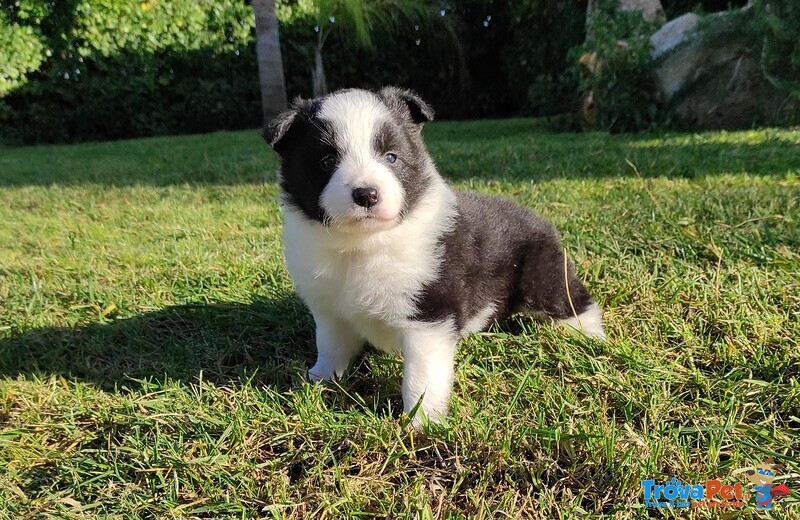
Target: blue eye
328 163
390 158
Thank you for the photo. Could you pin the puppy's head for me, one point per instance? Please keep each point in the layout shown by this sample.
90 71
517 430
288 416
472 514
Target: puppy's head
354 159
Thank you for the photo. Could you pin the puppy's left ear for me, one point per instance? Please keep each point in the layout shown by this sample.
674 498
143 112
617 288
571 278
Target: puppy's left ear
407 103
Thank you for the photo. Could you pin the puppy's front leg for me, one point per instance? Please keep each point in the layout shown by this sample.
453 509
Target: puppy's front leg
428 357
337 345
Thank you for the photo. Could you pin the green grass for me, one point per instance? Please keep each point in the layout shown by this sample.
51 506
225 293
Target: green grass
152 352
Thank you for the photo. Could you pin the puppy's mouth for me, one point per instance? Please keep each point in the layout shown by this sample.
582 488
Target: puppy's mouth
374 221
365 220
371 216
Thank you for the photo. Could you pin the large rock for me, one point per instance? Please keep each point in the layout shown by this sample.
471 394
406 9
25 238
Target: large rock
693 55
735 95
712 79
672 34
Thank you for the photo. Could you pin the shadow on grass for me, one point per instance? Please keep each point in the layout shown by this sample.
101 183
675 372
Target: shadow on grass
268 341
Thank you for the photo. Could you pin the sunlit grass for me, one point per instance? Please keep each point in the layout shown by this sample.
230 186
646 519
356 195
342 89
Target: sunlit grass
741 138
152 352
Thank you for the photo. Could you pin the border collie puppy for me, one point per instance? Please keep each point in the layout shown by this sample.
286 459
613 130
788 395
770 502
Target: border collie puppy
383 251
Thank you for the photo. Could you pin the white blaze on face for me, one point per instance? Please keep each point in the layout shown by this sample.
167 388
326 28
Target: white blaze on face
355 117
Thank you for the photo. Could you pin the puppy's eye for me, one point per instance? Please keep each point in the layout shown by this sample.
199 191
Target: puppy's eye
328 163
390 158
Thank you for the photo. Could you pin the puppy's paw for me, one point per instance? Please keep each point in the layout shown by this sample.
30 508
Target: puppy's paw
314 378
420 419
416 423
319 373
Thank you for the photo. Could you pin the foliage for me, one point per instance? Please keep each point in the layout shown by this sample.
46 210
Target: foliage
541 35
123 69
120 69
21 52
101 69
361 19
105 27
152 352
675 8
779 26
358 21
478 58
617 71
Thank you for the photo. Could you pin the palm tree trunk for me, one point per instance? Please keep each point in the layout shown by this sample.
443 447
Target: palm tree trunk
320 85
270 61
591 7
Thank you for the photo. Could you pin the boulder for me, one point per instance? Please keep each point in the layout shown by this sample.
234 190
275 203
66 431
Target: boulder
672 34
734 94
712 79
692 56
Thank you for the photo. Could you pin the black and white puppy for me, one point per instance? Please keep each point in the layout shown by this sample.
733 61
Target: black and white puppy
383 251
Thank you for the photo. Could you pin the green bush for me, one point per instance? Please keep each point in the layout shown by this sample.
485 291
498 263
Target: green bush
477 60
483 58
21 52
541 34
122 69
675 8
778 25
617 71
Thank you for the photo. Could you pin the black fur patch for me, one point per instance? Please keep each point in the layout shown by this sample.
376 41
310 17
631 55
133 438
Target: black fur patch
500 253
305 144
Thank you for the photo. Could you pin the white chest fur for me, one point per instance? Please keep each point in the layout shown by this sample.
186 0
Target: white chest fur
370 281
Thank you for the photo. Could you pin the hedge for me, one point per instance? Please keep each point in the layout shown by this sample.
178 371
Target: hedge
104 69
121 69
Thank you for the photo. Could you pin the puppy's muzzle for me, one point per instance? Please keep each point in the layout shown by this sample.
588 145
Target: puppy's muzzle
365 197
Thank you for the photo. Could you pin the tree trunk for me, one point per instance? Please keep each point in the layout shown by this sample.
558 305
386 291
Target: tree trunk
591 7
319 84
270 61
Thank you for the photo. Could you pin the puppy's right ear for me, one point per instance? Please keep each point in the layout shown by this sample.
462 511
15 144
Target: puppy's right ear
277 132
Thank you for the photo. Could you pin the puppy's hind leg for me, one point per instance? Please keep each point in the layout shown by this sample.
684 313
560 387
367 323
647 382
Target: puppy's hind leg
337 345
590 322
551 287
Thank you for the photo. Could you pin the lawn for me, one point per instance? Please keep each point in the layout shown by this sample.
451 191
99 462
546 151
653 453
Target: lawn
152 353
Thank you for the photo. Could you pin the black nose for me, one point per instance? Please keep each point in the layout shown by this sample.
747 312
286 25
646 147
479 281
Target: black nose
366 197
